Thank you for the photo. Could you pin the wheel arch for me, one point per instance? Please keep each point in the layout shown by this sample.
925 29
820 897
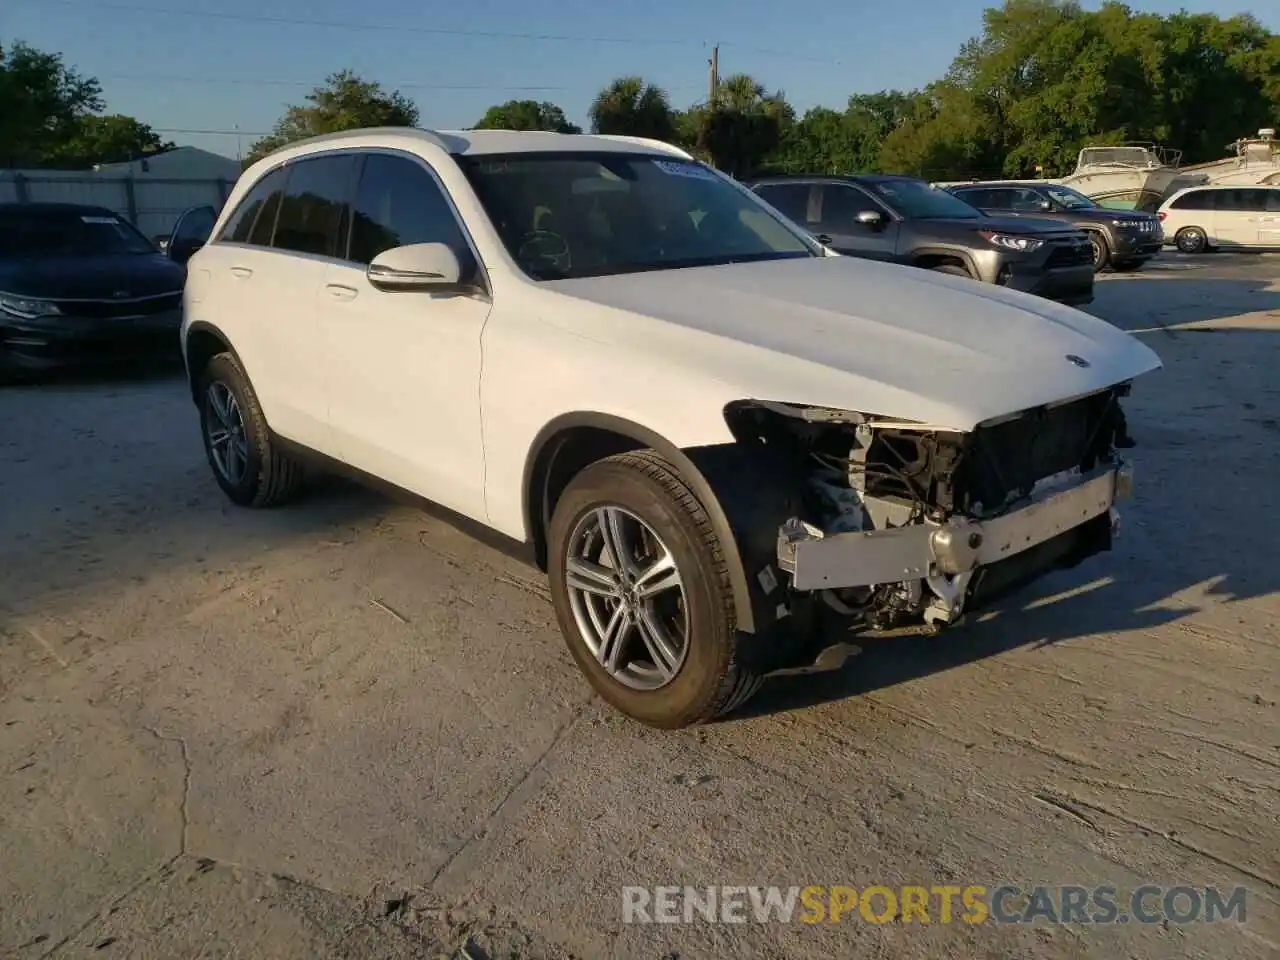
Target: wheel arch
571 441
926 257
201 342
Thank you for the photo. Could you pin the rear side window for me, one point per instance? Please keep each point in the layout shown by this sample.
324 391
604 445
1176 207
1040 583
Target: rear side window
1273 201
314 212
263 198
1241 201
1195 200
790 198
398 203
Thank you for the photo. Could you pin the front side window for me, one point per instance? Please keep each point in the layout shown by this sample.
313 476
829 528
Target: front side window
917 200
564 215
255 218
841 205
985 199
313 211
1070 199
398 203
72 232
196 224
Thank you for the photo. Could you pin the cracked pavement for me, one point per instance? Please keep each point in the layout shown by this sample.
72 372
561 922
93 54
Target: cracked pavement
344 729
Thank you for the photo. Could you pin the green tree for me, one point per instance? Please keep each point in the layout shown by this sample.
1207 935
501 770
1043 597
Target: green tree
632 107
743 125
42 101
526 115
344 102
105 139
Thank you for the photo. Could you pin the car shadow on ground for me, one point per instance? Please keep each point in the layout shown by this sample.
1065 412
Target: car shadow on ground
1171 298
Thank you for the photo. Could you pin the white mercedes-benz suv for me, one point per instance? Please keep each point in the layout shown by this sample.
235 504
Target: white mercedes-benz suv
699 422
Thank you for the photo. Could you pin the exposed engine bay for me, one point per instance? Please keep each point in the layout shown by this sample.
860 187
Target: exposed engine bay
935 511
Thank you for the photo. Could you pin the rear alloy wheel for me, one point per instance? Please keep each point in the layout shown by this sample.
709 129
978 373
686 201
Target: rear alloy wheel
642 593
1191 240
246 462
1101 251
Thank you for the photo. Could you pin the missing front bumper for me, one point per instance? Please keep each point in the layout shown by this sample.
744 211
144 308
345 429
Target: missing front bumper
866 558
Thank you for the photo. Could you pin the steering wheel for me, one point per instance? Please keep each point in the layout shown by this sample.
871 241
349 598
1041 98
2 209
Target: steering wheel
543 247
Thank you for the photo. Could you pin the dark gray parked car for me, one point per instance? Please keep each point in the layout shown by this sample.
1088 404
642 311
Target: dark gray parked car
1123 239
905 220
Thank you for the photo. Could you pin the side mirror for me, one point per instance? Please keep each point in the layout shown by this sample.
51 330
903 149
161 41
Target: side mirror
1045 205
870 218
418 266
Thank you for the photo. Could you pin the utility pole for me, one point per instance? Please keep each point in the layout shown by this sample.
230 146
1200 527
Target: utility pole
714 79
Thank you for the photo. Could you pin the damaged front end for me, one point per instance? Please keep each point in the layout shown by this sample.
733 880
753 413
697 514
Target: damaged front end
902 522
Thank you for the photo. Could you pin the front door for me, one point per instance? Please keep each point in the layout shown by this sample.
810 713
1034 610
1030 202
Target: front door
404 367
837 215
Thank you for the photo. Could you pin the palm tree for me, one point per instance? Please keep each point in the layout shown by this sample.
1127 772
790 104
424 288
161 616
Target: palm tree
635 108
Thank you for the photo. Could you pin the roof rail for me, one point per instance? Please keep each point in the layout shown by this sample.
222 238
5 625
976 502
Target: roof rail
660 145
433 136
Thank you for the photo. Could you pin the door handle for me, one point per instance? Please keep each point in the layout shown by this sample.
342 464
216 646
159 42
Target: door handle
340 291
242 272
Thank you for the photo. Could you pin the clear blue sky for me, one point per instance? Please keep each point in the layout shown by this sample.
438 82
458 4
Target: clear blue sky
184 71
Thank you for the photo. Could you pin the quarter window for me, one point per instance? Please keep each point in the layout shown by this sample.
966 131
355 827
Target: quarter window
264 197
314 212
398 203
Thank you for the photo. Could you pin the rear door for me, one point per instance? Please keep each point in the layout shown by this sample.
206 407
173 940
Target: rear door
839 205
1269 227
789 199
1236 215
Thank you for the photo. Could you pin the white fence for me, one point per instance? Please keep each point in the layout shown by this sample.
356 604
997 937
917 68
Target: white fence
152 204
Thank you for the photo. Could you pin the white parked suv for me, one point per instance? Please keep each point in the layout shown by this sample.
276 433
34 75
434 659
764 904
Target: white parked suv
699 422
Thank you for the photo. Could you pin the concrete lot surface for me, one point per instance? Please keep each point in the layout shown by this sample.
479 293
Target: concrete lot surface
343 729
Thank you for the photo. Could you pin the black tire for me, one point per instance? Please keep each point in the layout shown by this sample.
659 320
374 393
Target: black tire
954 269
1101 251
271 477
711 680
1191 240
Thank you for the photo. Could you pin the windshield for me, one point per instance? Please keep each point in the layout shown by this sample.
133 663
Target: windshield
1070 199
917 200
29 234
588 215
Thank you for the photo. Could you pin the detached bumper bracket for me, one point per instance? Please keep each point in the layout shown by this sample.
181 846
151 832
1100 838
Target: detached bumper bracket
865 558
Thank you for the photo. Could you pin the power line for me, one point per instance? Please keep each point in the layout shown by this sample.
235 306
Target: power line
436 31
353 25
409 85
249 81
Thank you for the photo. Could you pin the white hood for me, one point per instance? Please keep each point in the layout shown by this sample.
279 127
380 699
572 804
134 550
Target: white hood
872 337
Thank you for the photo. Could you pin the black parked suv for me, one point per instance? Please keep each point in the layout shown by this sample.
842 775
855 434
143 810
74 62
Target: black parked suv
1123 239
905 220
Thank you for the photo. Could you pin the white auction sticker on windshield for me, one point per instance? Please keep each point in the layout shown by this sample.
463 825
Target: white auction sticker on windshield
111 220
678 169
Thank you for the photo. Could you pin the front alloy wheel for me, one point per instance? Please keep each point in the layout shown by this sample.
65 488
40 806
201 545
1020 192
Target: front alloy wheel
627 597
642 593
